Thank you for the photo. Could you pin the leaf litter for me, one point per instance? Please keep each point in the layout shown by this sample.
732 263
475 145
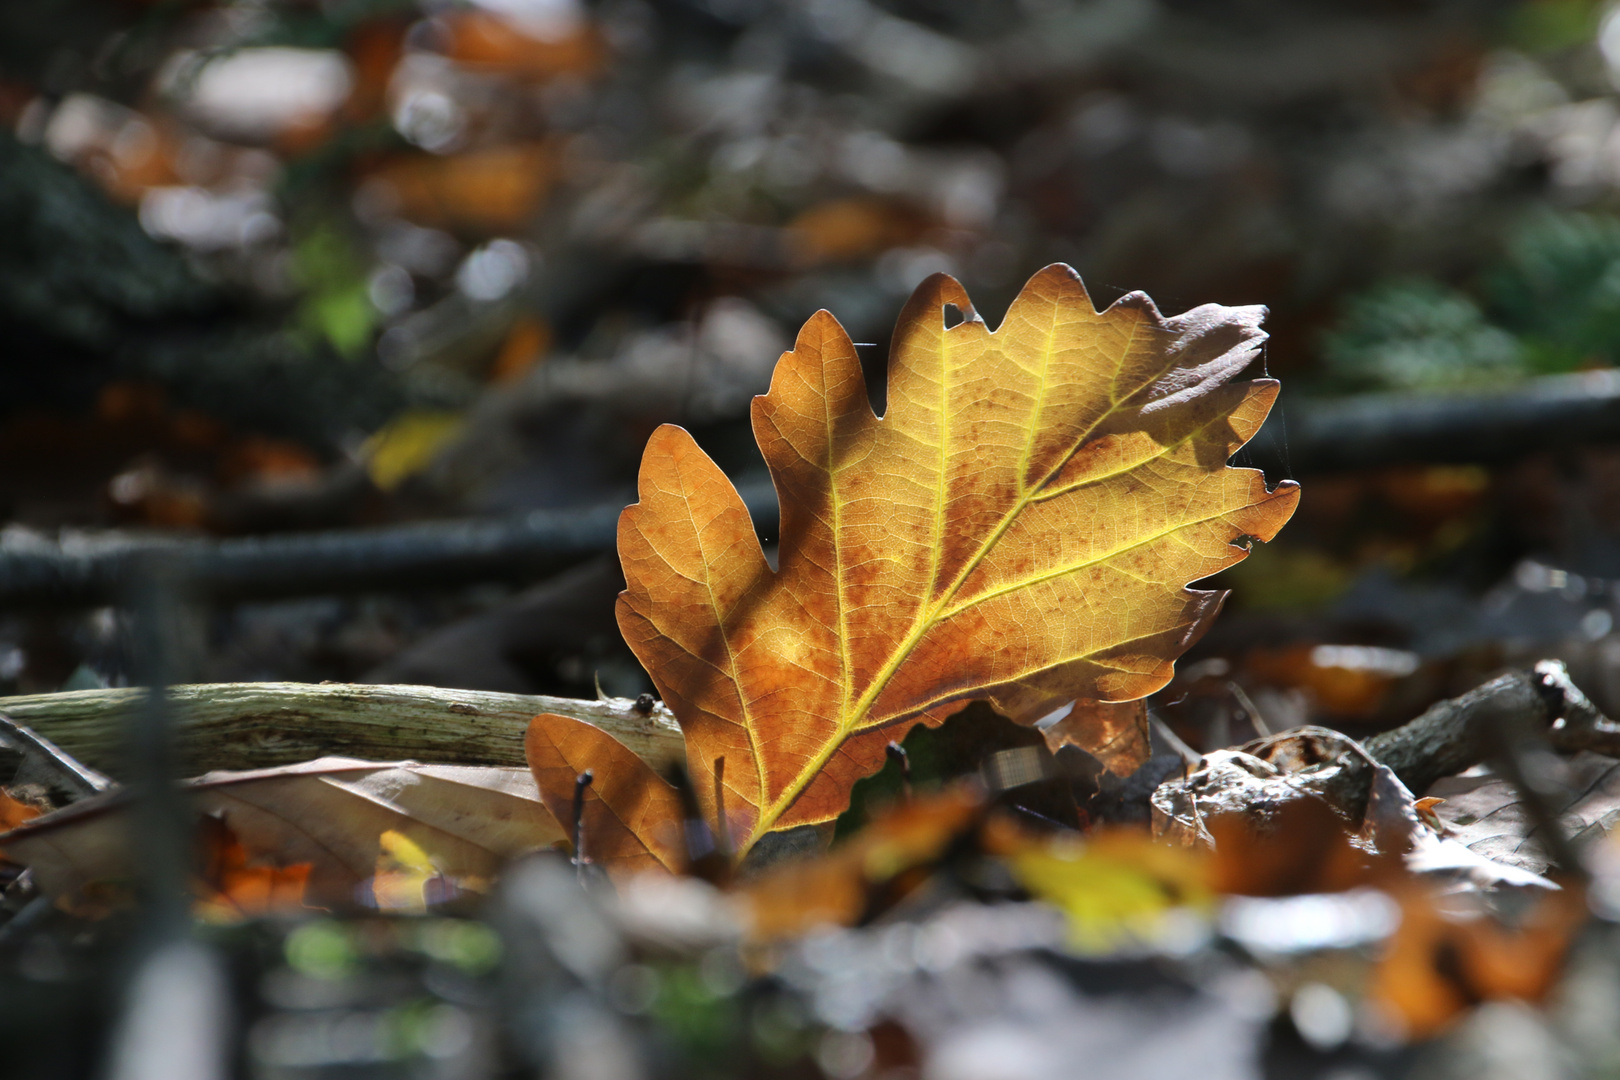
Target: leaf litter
1018 566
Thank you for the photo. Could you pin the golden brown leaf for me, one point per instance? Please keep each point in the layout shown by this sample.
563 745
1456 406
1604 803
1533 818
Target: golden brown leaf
1114 732
632 817
1019 526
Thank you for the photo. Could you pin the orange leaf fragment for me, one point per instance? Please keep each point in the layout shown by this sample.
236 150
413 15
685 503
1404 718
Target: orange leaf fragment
1019 526
1441 963
484 191
484 40
231 886
878 867
14 812
632 818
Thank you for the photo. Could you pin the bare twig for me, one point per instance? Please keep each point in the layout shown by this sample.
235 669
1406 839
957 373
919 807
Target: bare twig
581 782
1455 734
75 775
896 752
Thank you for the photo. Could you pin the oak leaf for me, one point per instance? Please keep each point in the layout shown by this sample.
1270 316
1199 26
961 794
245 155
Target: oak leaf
1019 526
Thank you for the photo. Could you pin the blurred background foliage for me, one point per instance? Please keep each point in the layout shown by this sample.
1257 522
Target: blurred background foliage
274 265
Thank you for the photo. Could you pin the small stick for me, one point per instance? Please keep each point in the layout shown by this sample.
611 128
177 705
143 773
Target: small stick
581 782
722 834
702 859
1172 740
1261 728
896 752
78 775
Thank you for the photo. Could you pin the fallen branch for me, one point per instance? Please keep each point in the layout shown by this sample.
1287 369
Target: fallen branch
1369 430
97 568
260 725
1463 731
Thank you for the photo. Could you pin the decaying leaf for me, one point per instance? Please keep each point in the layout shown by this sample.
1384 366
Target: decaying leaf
1295 846
331 813
1114 732
1485 814
1447 955
1019 526
1395 825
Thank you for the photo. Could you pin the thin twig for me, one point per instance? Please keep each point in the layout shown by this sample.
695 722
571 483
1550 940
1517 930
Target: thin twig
79 775
1261 728
581 782
896 752
1172 740
722 836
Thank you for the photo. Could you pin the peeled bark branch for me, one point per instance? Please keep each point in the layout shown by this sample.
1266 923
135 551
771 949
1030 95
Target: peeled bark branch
259 725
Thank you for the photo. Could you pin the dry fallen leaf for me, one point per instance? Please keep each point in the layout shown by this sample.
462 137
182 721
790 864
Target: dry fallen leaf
331 813
1019 526
1297 846
887 859
1485 814
1394 823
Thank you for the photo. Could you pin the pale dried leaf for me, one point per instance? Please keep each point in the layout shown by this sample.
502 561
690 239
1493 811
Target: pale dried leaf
330 813
1114 732
1484 812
